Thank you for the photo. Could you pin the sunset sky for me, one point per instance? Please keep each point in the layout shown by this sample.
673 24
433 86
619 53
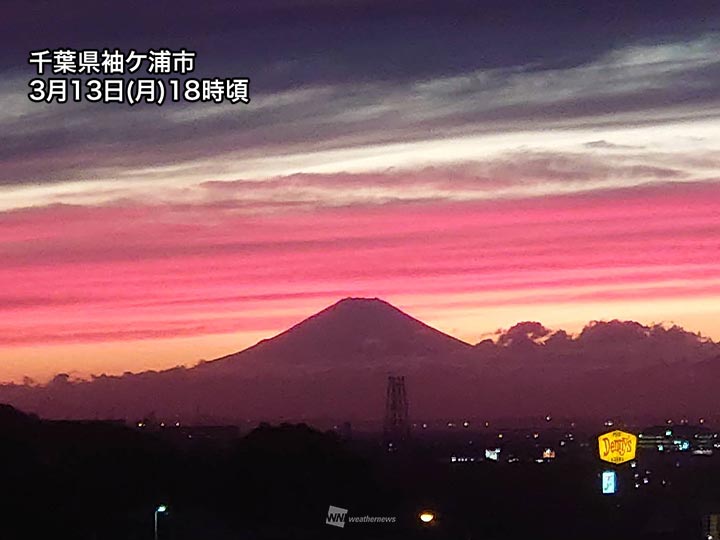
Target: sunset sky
474 163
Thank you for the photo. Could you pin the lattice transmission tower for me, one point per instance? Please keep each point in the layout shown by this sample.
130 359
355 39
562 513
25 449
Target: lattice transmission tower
396 429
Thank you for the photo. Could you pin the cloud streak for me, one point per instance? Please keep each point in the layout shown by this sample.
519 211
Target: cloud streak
400 150
133 271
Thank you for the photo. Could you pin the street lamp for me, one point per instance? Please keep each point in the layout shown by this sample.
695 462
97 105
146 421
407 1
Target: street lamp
159 510
426 516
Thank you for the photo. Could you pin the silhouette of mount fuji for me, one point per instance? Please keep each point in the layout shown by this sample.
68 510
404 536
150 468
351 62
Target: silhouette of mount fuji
366 332
334 365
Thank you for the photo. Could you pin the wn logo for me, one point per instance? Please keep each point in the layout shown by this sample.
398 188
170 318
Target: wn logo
336 516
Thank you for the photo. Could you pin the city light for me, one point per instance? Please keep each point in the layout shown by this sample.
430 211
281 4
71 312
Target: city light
426 516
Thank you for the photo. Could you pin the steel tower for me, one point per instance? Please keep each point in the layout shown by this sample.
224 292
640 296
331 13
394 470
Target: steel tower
397 426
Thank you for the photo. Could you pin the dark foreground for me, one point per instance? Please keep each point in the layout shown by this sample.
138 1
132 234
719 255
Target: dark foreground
104 481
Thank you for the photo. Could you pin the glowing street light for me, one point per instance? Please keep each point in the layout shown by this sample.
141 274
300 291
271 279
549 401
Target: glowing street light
426 516
161 509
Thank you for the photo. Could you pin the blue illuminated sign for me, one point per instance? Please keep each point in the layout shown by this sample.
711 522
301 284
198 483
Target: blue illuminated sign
609 482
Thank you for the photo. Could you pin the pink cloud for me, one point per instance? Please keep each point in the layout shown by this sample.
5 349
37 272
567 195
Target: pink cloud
135 271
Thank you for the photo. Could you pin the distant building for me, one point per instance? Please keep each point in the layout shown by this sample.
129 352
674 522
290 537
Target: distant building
682 438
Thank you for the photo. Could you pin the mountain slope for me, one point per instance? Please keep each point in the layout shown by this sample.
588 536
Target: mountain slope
364 332
334 365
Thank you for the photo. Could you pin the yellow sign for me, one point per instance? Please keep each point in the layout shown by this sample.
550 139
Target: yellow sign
617 446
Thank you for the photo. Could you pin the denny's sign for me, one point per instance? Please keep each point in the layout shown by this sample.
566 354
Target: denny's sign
617 446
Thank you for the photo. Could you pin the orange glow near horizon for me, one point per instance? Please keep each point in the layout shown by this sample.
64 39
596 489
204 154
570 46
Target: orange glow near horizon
558 181
81 360
135 287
